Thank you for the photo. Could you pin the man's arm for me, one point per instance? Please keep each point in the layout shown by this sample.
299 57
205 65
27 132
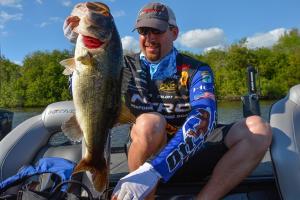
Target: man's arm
199 123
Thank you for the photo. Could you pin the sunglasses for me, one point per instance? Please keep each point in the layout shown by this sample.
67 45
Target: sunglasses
146 30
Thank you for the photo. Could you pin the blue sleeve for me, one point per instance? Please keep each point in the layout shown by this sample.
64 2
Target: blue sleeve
199 123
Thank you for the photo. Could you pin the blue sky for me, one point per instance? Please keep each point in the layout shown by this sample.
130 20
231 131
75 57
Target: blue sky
30 25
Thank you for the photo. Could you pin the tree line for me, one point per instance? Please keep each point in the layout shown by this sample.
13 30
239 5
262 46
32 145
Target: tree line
39 80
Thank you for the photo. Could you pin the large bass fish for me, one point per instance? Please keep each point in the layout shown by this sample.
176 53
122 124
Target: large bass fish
96 85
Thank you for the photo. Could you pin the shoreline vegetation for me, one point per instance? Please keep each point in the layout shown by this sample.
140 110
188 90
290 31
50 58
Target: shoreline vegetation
39 80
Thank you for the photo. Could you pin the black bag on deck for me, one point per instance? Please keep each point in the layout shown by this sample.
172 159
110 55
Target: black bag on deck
56 194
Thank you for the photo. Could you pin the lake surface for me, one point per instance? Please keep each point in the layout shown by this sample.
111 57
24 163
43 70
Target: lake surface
227 112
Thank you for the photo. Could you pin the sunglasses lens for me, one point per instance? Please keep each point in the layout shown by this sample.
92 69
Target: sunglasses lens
142 31
156 31
146 30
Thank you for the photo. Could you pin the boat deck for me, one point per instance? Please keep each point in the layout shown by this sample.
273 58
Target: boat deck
260 185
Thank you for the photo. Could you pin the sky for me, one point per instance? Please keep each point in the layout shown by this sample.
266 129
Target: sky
27 26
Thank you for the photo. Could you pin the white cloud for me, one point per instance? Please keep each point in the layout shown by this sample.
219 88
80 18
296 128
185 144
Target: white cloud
56 19
202 38
11 3
217 47
119 13
66 3
5 18
51 20
43 24
130 44
17 62
265 39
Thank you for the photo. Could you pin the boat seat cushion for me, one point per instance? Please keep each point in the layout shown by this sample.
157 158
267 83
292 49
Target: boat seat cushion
285 123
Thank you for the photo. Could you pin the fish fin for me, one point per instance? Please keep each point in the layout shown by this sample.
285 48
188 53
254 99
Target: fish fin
99 172
125 116
67 72
72 129
86 59
69 65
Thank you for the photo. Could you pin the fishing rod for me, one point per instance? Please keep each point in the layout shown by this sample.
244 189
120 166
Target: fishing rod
251 100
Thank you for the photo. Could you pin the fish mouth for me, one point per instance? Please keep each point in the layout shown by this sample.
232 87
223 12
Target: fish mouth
99 8
91 42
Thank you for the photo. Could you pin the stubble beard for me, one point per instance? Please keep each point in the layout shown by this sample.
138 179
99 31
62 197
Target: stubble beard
156 56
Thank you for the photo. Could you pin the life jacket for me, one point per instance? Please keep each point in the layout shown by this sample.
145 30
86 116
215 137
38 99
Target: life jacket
169 97
61 167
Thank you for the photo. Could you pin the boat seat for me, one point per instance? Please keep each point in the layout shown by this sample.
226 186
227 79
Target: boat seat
41 136
285 123
35 138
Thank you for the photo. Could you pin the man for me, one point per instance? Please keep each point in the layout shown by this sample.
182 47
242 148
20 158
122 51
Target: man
172 97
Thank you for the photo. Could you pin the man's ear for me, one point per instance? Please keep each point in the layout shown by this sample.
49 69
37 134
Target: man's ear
175 32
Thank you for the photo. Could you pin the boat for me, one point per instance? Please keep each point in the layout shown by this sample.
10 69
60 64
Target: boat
276 177
6 119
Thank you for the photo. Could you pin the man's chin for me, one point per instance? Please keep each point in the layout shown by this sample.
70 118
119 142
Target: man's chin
152 57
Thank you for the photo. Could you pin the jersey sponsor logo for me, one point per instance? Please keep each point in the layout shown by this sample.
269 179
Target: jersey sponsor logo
183 67
136 100
169 86
197 124
205 95
171 108
184 78
206 77
165 96
142 107
201 88
182 152
194 131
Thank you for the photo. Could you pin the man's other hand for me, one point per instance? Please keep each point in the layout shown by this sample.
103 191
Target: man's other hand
136 185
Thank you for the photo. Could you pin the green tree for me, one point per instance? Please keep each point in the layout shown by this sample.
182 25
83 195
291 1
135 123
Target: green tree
42 78
9 74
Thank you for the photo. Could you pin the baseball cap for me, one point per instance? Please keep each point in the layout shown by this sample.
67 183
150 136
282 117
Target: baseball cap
155 15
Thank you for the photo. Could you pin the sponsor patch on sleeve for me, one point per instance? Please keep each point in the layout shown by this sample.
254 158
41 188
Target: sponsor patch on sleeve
206 77
197 124
205 95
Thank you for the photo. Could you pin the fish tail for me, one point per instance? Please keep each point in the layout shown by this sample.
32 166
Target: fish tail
99 172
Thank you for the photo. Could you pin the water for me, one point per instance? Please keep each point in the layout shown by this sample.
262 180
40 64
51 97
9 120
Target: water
227 112
232 111
21 114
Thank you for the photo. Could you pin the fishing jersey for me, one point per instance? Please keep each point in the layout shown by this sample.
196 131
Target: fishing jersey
186 100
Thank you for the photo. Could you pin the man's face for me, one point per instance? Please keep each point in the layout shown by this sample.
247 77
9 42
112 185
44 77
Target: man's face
155 44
